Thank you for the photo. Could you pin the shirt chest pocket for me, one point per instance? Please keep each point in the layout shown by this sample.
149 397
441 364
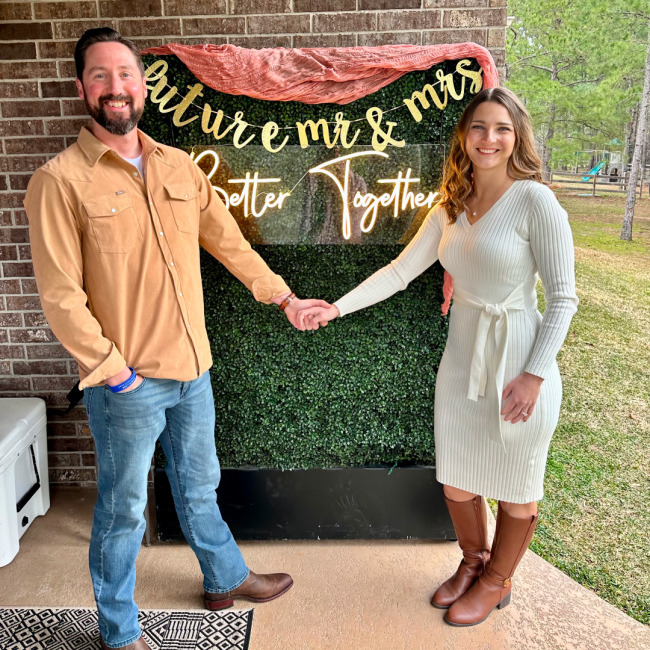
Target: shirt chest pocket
184 201
113 222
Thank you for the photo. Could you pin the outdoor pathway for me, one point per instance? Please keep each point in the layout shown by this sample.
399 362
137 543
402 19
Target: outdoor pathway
347 595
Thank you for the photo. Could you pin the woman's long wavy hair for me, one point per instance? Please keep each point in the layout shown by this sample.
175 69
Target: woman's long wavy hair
523 164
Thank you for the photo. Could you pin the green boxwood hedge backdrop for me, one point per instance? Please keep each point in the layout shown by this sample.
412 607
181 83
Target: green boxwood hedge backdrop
358 392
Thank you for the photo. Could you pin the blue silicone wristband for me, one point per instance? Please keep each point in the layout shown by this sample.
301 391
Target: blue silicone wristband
124 384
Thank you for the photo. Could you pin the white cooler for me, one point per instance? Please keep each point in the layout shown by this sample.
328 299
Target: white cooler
24 485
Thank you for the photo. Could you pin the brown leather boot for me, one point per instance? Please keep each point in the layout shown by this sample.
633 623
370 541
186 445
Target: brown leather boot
140 644
493 587
470 523
258 588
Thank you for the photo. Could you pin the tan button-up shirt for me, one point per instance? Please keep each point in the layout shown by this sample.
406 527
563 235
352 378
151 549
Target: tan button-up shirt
116 258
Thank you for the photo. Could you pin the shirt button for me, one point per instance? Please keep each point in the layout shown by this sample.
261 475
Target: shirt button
188 326
113 210
180 294
171 264
150 202
161 233
186 196
135 173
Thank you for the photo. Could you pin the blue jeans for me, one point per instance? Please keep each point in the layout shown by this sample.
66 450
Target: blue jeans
125 427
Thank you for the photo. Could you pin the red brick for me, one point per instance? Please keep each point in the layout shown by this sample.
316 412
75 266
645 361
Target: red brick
327 5
24 303
35 319
20 127
14 235
58 50
399 20
42 108
74 367
76 443
474 18
496 37
215 40
345 22
499 57
19 181
5 367
454 4
78 27
18 89
390 4
59 89
260 6
28 70
25 31
259 42
32 336
151 41
18 270
5 218
10 319
29 286
4 336
14 384
21 163
72 477
9 287
8 253
446 36
77 414
11 200
278 24
9 51
35 145
201 26
64 460
40 368
126 8
53 383
160 27
196 7
67 69
389 38
54 429
70 140
12 352
45 10
47 352
15 11
74 107
88 459
66 127
325 40
20 218
24 252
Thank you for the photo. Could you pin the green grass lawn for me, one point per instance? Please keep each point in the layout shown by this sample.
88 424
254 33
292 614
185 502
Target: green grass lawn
595 518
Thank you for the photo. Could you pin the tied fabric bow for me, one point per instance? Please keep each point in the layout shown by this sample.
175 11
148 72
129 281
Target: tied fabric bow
517 300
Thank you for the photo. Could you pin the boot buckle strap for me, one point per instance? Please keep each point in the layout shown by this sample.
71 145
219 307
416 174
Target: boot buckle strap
506 582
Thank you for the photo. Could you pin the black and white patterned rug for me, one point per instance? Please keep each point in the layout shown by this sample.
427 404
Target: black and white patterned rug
76 629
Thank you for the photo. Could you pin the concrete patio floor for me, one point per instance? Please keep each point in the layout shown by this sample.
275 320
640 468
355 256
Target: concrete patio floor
347 595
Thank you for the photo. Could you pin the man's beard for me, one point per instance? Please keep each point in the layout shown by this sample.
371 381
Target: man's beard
116 124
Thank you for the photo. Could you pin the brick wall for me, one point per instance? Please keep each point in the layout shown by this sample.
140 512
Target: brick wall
41 115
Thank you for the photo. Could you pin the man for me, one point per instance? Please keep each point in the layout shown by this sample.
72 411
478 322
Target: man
116 221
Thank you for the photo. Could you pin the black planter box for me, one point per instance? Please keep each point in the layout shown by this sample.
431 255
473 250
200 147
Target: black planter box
339 503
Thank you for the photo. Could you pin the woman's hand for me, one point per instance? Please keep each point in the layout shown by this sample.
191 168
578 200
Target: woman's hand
310 319
522 394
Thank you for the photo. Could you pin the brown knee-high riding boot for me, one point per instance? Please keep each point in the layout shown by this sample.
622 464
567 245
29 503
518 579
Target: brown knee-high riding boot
470 523
493 587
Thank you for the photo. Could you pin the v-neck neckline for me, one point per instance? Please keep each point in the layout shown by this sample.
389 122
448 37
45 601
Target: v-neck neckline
494 205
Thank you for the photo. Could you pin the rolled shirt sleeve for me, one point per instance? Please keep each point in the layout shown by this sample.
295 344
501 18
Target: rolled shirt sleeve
220 235
58 267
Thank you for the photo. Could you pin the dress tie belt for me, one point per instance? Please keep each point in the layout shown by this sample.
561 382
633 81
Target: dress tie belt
522 297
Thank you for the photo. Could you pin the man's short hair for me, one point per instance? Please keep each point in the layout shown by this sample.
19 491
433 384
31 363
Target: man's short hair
102 35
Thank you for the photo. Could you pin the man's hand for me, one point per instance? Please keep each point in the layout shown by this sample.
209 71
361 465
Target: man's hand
123 375
311 318
295 308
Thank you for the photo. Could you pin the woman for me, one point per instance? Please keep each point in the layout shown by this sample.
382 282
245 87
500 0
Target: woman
496 227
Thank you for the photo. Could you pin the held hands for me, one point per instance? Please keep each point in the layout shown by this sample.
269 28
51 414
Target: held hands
522 394
297 307
311 319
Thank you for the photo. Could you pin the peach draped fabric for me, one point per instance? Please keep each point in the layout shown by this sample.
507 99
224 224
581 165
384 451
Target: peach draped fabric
320 75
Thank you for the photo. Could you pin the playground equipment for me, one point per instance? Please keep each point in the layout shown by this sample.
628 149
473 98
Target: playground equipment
594 171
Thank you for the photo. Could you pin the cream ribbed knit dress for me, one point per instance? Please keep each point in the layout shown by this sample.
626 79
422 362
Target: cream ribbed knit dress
495 334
